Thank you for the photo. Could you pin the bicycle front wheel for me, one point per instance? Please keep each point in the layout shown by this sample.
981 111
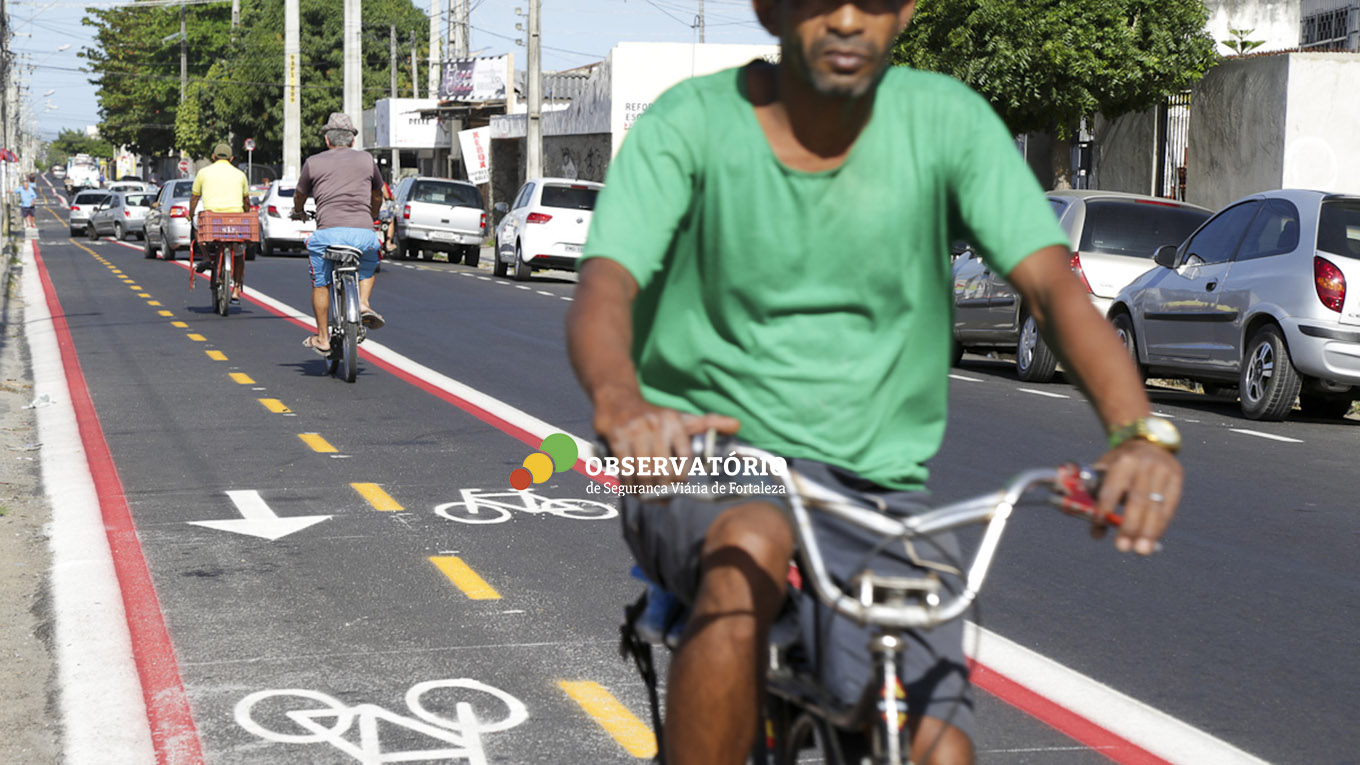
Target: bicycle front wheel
222 277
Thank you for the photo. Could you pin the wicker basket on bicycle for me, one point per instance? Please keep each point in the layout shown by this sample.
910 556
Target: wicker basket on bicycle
228 227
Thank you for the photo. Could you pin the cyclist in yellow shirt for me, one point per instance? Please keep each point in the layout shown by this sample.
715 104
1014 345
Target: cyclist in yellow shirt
222 188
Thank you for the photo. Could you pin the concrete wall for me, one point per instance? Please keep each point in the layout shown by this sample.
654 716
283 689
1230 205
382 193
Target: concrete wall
1322 132
1277 22
583 157
1125 152
1237 130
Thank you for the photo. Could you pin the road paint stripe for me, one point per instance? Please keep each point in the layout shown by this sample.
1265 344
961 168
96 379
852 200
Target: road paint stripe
120 685
216 355
631 733
379 499
153 302
463 577
317 443
1271 436
197 338
965 378
179 324
567 299
1127 731
545 292
1045 393
165 313
531 431
241 378
522 287
142 294
274 405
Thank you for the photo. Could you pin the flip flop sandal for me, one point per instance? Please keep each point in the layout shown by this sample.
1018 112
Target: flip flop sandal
373 320
309 342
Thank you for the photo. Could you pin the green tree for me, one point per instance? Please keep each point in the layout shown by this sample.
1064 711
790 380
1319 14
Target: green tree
71 142
1239 43
1046 64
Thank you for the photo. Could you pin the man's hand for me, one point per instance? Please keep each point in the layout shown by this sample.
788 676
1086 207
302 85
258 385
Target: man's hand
297 214
1146 479
635 429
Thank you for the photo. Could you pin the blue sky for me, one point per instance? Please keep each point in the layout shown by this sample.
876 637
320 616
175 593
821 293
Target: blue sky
575 32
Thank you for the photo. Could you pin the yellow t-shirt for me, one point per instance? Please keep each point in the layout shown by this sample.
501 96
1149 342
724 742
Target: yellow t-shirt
221 187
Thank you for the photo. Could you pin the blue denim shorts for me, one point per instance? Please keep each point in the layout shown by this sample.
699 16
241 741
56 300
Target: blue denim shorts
363 239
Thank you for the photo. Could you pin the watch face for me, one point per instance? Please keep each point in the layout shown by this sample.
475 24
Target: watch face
1163 431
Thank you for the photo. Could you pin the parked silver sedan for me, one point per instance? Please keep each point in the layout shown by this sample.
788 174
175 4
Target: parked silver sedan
167 223
121 215
1257 300
1113 237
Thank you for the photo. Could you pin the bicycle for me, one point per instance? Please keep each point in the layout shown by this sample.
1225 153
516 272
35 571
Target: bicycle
224 237
800 712
346 320
479 508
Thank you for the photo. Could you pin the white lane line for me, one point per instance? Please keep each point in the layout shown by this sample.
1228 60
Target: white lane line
1271 436
521 287
1080 695
567 299
549 294
485 278
1043 393
1138 723
102 706
965 378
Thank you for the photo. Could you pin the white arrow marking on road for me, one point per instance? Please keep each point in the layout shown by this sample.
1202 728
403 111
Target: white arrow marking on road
258 520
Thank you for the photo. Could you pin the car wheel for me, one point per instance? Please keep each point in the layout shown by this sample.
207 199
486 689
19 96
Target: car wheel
267 248
1123 328
91 232
119 233
167 251
75 231
1324 407
472 255
251 249
955 353
1268 383
148 249
522 269
1034 361
498 266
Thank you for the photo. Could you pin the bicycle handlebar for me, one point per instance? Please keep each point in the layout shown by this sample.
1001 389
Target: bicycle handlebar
1071 486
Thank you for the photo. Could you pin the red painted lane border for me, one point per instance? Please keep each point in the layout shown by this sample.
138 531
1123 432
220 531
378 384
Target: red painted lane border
173 733
1060 718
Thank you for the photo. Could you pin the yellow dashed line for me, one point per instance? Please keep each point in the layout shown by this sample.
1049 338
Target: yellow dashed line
179 324
197 338
153 302
630 732
242 378
165 313
276 406
216 355
465 578
317 443
379 499
142 294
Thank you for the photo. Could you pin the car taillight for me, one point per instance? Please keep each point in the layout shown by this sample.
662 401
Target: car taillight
538 218
406 212
483 221
75 208
1075 264
273 211
179 211
127 213
1330 283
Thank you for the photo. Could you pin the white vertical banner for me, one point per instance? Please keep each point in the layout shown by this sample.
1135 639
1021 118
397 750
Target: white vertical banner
476 146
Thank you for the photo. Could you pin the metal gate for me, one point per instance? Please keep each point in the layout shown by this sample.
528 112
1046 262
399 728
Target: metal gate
1173 146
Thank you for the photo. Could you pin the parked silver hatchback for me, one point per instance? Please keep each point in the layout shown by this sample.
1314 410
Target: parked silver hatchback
1257 300
1113 237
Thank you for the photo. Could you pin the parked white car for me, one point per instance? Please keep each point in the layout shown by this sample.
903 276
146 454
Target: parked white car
277 230
1257 300
82 207
545 227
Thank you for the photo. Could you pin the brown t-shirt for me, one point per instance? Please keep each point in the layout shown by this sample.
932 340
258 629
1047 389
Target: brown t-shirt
342 181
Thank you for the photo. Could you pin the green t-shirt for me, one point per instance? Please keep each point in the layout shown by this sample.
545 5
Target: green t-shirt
814 307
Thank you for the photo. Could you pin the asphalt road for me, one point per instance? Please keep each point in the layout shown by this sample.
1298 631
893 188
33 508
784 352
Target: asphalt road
1243 627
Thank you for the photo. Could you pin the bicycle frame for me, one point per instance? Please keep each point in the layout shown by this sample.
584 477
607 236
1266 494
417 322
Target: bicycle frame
346 327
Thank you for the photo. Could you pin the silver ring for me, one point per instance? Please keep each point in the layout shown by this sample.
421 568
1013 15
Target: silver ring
1156 497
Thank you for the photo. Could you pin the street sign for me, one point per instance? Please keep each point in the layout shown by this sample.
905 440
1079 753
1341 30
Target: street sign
184 165
250 144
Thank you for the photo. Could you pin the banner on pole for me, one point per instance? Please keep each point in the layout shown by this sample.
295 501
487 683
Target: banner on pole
476 148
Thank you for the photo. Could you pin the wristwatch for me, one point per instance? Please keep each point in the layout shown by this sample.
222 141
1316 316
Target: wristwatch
1153 429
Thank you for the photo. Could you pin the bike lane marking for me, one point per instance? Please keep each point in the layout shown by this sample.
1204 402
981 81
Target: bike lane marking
464 578
122 695
1149 735
631 733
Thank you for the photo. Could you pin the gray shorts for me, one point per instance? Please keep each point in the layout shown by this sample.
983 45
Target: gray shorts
667 537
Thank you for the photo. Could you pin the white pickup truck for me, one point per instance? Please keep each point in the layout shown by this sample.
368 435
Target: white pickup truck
82 172
439 215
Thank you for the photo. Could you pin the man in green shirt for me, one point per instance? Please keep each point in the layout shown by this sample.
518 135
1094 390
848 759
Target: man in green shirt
769 257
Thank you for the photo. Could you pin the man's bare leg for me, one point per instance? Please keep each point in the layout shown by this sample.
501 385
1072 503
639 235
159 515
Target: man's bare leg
321 309
936 742
365 289
717 677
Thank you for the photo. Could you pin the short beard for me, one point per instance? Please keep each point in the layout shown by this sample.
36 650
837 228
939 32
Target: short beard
823 83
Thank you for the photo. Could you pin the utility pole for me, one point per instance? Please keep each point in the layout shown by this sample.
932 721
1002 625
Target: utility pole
292 107
432 78
458 29
183 55
533 154
701 20
415 73
353 74
395 166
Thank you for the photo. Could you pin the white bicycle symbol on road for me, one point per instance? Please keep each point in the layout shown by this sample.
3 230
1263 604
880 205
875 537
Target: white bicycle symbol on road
480 506
317 718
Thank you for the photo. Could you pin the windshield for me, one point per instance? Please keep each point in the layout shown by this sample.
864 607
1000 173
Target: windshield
1136 229
570 197
138 200
1339 227
441 193
286 192
90 199
182 189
